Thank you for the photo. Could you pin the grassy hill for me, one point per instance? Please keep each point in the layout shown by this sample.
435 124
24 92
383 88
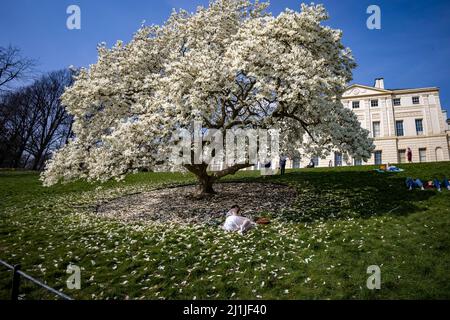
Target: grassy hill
345 220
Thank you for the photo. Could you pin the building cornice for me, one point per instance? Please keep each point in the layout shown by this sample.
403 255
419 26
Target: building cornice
441 135
385 92
418 90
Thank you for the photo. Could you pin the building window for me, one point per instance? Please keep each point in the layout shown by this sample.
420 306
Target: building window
374 103
357 162
378 158
419 127
355 104
338 159
399 128
401 156
376 129
423 155
416 100
397 102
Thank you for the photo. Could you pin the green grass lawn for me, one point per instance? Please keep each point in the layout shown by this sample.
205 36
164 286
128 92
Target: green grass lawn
345 220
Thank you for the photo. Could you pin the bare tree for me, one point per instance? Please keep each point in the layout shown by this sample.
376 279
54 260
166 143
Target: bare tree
53 126
17 120
13 66
33 122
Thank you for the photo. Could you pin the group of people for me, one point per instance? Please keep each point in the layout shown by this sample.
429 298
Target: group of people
311 164
432 184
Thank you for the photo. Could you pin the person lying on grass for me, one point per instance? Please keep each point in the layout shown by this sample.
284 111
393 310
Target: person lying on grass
412 184
438 185
435 184
417 183
234 222
446 183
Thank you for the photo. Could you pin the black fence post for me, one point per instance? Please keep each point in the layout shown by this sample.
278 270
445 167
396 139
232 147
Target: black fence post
17 274
15 283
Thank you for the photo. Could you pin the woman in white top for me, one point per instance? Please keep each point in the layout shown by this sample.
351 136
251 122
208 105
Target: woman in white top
234 222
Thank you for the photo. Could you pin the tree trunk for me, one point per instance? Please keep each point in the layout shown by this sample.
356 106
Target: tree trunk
37 160
206 181
205 187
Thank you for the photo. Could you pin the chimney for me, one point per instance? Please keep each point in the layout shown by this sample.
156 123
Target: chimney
379 83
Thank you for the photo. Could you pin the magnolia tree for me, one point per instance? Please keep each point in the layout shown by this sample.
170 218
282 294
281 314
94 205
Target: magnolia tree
229 66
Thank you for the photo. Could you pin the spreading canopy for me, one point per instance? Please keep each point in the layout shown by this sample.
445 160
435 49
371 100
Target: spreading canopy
230 65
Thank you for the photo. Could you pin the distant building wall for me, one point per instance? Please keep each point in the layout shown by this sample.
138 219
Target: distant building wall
397 120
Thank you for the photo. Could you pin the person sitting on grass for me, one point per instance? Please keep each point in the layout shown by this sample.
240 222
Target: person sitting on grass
412 184
234 222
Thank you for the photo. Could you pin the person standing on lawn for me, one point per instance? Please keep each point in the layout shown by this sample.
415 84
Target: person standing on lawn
283 160
409 155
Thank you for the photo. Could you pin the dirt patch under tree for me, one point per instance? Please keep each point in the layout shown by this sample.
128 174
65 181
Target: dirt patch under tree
178 204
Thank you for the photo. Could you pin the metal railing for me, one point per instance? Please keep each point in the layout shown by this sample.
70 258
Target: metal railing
15 286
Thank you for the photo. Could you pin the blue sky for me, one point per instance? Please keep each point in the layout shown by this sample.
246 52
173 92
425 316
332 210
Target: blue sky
412 49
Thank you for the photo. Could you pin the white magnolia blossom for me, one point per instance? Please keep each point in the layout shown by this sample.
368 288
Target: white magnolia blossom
230 65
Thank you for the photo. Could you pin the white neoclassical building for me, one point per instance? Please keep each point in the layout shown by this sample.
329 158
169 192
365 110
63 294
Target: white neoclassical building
397 119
